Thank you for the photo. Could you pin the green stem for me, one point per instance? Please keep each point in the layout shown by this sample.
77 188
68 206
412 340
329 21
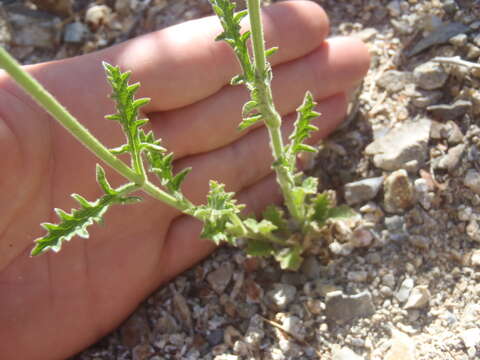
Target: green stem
270 115
239 223
69 122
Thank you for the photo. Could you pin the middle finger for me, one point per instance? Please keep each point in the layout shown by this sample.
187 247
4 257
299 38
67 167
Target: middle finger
335 66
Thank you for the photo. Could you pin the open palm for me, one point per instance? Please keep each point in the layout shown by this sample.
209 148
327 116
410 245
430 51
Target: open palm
54 305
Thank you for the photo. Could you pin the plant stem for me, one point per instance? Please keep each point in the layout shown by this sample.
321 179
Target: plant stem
272 118
69 122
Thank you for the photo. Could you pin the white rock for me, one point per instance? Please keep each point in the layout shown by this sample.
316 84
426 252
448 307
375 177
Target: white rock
430 75
419 297
472 180
97 15
345 354
404 146
402 347
399 193
471 337
473 230
282 295
404 292
362 190
475 259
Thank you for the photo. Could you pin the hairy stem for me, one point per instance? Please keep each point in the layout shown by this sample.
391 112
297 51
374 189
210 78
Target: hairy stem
69 122
270 115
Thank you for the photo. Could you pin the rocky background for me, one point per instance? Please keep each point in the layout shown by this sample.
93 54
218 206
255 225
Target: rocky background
402 280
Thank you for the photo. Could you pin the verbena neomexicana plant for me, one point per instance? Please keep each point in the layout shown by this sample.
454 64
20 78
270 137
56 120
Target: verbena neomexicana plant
277 234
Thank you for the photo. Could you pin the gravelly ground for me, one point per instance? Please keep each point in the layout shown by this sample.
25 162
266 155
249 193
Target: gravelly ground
403 282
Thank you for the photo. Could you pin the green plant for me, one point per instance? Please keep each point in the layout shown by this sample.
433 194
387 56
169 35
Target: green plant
276 234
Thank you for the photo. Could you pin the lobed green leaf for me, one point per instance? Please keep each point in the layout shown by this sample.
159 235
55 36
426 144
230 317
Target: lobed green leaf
290 258
303 128
276 216
249 121
76 223
127 112
230 21
217 214
263 228
259 248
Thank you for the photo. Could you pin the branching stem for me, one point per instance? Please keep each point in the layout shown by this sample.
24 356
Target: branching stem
270 115
68 121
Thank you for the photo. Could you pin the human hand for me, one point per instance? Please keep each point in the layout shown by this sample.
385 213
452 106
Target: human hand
56 304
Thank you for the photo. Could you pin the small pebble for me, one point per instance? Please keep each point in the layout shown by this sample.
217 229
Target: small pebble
362 190
430 75
75 33
403 146
402 347
282 294
459 40
345 354
420 241
97 15
418 298
220 277
471 337
342 308
451 160
389 280
404 291
394 80
424 98
475 257
399 194
472 180
357 276
473 230
450 111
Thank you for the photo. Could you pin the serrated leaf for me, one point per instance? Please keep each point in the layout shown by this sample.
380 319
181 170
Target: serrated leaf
102 181
237 80
129 200
139 103
178 178
276 216
310 185
264 227
320 206
128 107
122 149
259 248
239 16
290 258
303 128
62 215
114 117
248 107
161 163
298 196
230 22
244 37
153 147
249 121
216 214
305 148
271 51
75 223
217 10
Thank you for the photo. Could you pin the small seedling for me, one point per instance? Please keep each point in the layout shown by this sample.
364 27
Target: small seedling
281 234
